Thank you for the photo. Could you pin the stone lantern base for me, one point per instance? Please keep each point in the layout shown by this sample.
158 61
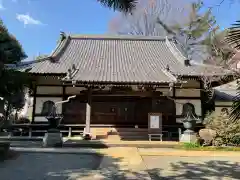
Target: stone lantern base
53 138
188 136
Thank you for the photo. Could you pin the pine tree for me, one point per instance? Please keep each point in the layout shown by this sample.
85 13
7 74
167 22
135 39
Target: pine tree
121 5
233 38
235 111
192 35
219 49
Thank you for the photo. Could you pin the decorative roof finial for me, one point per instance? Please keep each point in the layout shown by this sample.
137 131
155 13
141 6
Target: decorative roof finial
74 67
187 62
62 36
167 68
69 74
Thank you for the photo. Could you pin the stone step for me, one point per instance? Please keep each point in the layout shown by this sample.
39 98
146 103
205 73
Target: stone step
134 137
131 129
114 137
133 133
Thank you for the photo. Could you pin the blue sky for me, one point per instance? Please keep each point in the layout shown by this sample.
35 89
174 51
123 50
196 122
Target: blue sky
37 23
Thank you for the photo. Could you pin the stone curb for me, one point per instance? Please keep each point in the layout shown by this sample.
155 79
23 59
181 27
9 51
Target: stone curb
56 150
192 154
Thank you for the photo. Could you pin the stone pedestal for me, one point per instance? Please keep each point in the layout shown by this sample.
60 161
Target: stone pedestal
188 137
4 149
87 135
53 138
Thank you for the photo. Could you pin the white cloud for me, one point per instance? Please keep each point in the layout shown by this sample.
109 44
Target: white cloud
26 19
1 5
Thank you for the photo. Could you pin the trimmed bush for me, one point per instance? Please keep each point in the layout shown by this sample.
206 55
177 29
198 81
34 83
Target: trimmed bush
226 130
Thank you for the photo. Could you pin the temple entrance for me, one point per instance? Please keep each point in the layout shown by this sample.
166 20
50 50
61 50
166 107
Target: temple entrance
119 110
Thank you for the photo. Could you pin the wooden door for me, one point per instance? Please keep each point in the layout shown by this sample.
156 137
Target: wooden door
142 108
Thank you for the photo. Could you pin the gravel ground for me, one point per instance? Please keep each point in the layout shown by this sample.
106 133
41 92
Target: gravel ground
186 168
49 166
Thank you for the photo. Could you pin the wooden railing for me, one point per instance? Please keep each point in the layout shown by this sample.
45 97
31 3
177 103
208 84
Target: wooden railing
69 129
30 129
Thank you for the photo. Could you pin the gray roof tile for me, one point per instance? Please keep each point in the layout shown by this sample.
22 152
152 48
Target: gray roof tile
227 92
120 59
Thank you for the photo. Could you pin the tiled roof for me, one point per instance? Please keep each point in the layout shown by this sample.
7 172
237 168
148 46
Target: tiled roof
234 61
226 92
120 59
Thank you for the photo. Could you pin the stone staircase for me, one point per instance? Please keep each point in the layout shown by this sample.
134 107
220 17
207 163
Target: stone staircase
131 134
120 133
100 133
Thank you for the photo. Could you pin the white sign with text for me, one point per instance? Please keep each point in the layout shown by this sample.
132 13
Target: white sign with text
154 122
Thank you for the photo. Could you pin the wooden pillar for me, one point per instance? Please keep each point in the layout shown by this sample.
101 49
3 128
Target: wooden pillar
88 112
204 99
63 98
174 92
34 100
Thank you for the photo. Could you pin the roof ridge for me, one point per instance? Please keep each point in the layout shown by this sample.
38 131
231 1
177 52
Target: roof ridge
169 74
118 37
175 51
28 63
209 65
59 47
232 58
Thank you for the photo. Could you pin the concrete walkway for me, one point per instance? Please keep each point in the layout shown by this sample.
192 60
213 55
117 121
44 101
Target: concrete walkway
132 151
185 153
121 163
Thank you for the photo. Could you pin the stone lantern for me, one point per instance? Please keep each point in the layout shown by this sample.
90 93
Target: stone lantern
189 122
53 137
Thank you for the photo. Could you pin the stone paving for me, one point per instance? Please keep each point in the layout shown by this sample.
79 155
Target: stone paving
115 164
49 166
188 168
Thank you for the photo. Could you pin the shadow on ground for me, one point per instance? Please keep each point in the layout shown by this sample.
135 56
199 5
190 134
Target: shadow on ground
213 169
210 170
53 166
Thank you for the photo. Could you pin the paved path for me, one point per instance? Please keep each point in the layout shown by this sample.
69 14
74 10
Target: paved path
116 164
49 166
188 168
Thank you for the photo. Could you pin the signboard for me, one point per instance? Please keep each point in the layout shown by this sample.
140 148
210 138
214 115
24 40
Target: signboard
155 122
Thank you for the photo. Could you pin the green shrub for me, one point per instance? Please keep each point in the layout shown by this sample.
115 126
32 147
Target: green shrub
225 128
236 140
191 145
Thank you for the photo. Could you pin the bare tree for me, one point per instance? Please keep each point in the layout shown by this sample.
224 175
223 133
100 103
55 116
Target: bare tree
143 21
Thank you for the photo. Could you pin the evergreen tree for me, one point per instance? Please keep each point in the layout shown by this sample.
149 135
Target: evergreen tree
235 112
121 5
10 49
12 81
233 38
193 34
219 50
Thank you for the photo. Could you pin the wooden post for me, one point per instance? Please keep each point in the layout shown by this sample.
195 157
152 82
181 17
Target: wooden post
34 101
88 112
